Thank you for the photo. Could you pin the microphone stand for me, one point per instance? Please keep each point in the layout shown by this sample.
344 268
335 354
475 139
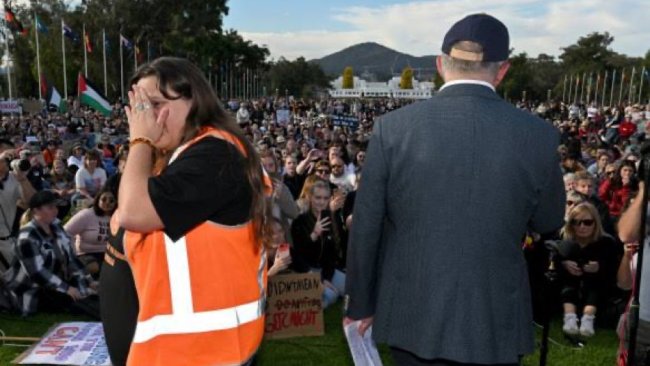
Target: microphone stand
633 317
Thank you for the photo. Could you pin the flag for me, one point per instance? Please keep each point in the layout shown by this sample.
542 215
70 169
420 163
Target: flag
39 25
90 96
67 31
12 22
52 96
139 55
125 43
89 46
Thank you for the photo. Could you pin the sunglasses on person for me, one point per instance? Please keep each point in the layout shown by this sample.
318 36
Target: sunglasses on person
586 222
610 172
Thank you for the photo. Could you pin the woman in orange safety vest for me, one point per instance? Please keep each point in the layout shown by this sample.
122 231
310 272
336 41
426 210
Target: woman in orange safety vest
195 232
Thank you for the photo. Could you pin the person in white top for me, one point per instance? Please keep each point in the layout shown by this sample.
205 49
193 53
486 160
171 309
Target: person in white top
76 157
90 178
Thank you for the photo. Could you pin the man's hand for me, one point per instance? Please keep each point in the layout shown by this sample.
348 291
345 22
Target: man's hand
364 324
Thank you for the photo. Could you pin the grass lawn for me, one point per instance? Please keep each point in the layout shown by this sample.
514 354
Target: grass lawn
331 349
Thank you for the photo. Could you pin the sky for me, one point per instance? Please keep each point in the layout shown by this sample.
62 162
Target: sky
313 29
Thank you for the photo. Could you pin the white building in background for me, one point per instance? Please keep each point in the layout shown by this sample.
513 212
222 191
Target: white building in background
390 89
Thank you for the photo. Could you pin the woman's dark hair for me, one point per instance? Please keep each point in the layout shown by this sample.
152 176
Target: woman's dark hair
181 77
617 180
96 208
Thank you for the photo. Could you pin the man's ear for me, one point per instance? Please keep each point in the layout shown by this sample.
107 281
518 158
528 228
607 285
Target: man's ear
501 74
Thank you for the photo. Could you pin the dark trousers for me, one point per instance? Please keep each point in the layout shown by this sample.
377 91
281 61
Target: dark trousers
405 358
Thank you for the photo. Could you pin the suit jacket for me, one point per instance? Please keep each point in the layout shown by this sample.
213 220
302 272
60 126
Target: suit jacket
449 188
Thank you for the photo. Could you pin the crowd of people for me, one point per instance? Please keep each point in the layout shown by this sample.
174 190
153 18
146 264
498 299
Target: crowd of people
58 191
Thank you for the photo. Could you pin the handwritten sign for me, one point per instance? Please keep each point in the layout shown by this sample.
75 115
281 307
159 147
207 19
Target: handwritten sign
77 343
294 306
283 116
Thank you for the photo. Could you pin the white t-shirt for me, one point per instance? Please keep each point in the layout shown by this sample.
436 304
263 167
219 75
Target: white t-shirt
89 231
73 160
91 182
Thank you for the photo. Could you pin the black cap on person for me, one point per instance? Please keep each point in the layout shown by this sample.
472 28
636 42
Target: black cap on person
486 30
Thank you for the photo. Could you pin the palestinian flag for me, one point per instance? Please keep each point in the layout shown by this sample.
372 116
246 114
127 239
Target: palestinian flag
88 95
52 96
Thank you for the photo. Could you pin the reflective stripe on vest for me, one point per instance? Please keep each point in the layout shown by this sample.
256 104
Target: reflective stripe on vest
184 320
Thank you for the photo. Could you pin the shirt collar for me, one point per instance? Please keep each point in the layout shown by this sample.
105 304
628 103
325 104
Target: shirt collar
467 81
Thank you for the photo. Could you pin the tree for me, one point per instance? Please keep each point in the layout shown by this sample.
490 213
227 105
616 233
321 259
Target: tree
407 78
518 78
348 78
590 54
298 78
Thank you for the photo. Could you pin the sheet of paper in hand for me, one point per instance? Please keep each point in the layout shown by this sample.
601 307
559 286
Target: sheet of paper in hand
363 349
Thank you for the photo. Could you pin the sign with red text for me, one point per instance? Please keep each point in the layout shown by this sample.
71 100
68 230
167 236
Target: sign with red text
294 306
78 343
10 106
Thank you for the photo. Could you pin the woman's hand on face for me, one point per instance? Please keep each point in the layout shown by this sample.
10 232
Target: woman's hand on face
142 119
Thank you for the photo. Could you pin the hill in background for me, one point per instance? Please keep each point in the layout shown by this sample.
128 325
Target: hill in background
374 62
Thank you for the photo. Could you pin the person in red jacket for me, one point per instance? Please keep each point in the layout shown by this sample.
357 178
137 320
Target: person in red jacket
615 191
627 128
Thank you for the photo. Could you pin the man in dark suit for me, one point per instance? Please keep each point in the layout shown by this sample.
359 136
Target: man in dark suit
449 188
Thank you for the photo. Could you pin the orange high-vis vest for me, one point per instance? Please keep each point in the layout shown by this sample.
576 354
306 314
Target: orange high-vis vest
201 297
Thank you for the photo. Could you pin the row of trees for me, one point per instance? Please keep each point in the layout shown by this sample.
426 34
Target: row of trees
588 64
189 28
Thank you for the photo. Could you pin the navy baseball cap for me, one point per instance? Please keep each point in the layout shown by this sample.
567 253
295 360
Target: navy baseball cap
483 29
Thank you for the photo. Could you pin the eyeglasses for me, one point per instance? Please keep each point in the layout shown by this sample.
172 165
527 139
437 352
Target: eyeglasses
586 222
107 199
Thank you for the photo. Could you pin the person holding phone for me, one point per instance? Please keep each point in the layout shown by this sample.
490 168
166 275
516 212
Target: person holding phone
317 242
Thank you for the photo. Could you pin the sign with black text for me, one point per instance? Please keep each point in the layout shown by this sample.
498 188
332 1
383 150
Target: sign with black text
294 306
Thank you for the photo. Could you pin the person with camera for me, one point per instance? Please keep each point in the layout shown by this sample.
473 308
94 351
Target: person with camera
587 261
15 192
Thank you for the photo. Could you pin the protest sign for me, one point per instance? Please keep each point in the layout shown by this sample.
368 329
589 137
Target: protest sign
294 306
76 343
32 106
10 106
283 116
345 121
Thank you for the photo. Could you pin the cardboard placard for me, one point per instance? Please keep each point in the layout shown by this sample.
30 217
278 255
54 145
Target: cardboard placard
32 106
294 306
74 343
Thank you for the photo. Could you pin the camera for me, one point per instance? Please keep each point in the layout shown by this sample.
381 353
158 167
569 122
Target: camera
22 165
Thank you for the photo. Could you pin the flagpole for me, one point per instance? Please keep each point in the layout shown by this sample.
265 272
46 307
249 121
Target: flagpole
38 59
582 87
85 52
602 103
564 89
611 94
570 88
629 97
620 94
596 91
641 83
589 87
121 69
104 55
65 78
